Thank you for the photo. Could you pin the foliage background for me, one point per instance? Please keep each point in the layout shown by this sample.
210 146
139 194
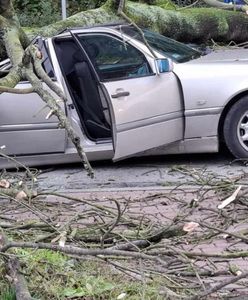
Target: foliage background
39 13
43 12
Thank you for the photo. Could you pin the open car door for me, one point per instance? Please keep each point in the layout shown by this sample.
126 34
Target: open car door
147 113
147 108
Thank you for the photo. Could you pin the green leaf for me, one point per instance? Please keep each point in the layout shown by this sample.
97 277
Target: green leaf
74 293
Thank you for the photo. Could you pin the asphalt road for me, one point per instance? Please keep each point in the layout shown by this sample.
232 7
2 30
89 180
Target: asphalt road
145 173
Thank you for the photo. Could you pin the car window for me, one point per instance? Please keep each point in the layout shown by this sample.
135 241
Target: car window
177 51
6 65
46 61
113 58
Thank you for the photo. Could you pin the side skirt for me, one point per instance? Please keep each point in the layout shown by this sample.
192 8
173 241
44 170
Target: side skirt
196 145
193 145
103 153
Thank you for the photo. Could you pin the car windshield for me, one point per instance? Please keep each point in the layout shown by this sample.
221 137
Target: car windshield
177 51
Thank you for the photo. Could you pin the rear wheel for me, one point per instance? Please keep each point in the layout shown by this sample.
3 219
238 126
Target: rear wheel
236 129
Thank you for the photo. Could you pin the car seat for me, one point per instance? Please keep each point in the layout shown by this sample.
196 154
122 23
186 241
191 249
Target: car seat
88 99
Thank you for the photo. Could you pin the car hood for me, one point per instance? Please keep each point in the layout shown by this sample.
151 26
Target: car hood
222 64
226 55
213 79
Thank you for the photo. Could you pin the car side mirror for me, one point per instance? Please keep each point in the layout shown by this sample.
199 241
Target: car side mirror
164 65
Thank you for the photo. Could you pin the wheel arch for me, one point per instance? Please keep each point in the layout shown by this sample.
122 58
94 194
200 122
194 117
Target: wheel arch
224 112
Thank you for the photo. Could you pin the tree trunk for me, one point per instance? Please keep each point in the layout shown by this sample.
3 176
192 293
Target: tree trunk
188 25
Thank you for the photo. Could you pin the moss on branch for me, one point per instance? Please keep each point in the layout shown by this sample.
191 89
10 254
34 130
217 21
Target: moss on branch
85 18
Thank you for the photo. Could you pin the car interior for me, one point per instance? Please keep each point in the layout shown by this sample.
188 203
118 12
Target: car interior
87 59
85 90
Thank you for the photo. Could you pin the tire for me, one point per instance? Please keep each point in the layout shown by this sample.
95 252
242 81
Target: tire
236 128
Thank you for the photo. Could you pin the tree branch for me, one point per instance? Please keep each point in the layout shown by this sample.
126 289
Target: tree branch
71 250
12 78
16 279
5 89
33 50
121 13
58 112
219 287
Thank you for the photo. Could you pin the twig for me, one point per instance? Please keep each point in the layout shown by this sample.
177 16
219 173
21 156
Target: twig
114 224
17 163
78 251
121 13
219 287
191 254
100 207
238 236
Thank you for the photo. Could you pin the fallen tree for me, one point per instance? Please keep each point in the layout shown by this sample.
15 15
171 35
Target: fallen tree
107 222
221 21
191 25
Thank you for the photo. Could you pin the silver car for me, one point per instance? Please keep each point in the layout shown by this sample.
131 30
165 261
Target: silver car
127 99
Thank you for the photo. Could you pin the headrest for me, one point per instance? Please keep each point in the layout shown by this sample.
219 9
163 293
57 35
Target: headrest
91 49
78 56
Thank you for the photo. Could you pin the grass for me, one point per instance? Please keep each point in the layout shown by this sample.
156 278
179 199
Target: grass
7 294
54 276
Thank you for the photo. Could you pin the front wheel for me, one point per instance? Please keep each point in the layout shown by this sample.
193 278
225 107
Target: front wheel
236 129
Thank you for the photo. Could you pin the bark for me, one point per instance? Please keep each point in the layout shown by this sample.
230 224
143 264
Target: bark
13 270
17 280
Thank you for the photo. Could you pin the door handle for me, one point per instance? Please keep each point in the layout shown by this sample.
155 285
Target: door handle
120 94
